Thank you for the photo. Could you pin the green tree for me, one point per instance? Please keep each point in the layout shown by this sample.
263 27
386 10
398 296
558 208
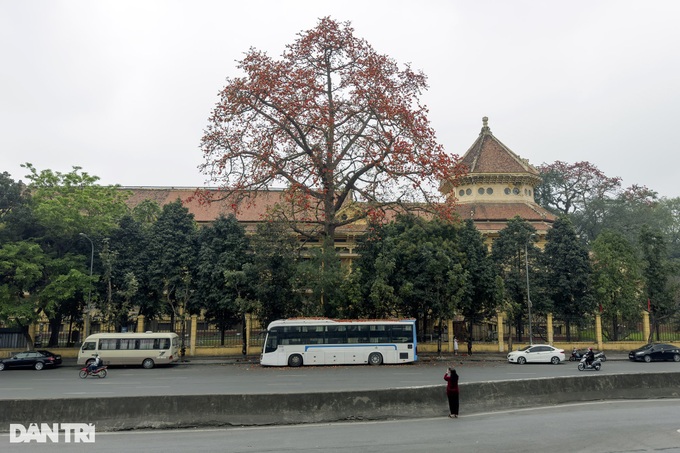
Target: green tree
221 280
660 291
17 221
480 297
568 273
72 203
22 273
412 267
172 250
617 282
322 275
274 272
127 278
515 253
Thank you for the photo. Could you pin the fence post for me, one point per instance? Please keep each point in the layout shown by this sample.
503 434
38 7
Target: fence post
549 326
645 325
248 327
140 323
499 330
598 330
192 337
450 334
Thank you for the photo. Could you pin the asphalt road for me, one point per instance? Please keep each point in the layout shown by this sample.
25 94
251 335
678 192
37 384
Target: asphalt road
213 377
598 427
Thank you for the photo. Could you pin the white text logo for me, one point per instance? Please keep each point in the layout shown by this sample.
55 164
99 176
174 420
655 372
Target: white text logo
73 432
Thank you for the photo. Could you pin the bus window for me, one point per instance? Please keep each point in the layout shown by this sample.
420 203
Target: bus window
379 334
108 344
402 334
146 343
357 334
89 346
336 335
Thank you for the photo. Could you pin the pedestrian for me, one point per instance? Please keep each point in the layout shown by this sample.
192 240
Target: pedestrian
455 346
469 345
451 378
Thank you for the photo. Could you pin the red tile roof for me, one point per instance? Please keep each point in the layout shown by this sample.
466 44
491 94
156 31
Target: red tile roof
488 155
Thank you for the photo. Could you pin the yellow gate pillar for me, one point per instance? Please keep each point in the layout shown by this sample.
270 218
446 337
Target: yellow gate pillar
449 330
645 325
551 330
140 323
598 330
248 324
499 330
192 338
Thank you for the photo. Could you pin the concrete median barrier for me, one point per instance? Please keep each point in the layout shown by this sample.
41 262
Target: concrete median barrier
181 411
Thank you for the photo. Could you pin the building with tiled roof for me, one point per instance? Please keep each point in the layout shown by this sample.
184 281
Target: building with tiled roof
498 186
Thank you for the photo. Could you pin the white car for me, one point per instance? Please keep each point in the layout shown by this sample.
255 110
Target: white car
537 353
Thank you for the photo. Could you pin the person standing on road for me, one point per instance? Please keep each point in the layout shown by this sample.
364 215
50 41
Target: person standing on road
455 346
451 378
469 345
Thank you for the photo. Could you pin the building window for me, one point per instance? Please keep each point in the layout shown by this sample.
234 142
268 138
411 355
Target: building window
468 192
480 191
515 191
461 193
507 191
489 191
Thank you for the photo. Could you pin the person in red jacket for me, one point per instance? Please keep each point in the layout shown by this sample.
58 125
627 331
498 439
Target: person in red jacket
451 377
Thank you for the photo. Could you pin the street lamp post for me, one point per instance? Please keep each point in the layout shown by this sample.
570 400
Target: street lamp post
526 263
86 327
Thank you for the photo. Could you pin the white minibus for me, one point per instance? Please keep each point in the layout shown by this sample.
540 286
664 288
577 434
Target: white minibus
146 349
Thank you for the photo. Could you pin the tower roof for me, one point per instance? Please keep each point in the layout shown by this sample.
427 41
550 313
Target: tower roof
488 155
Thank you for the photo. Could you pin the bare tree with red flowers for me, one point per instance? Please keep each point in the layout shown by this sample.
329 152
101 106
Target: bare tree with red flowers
332 121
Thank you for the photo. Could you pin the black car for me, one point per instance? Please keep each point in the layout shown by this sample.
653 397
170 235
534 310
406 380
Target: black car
31 359
56 357
655 351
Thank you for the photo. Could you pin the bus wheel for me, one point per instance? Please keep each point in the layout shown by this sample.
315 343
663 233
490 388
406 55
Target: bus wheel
295 360
375 358
148 364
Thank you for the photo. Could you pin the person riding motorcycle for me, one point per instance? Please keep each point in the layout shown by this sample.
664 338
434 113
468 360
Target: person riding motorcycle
590 356
94 364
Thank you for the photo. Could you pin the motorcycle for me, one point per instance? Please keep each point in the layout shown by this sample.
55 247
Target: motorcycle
575 356
582 365
98 372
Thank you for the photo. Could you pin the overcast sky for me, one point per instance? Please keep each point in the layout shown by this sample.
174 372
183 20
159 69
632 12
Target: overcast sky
124 88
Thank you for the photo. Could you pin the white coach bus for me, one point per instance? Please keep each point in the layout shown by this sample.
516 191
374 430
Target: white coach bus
306 341
146 349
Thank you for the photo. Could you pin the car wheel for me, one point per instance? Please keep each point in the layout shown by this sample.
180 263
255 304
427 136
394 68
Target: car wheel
555 360
39 366
375 358
597 367
581 366
148 364
676 358
295 360
521 360
2 366
648 358
82 374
